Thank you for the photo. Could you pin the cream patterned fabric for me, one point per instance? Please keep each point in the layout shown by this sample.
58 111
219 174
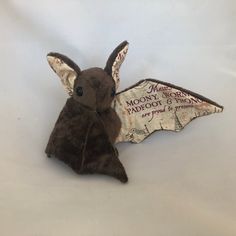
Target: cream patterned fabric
153 105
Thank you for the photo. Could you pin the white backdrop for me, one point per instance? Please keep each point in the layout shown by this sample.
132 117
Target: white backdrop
181 184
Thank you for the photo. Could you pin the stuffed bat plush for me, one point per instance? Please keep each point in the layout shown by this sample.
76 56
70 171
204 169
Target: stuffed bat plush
95 116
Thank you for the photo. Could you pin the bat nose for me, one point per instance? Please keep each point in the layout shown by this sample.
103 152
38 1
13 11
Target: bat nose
95 83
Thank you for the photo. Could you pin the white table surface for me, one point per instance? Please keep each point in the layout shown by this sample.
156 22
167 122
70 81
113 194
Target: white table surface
180 184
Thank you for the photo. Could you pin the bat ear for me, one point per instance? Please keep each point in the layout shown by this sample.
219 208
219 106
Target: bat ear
115 60
65 68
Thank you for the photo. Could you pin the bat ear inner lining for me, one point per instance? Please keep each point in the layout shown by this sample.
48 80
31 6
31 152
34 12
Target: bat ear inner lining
115 60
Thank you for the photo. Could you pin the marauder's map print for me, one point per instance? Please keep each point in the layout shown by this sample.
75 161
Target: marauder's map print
152 105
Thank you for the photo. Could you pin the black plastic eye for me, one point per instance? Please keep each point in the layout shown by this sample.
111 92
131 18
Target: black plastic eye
113 92
79 91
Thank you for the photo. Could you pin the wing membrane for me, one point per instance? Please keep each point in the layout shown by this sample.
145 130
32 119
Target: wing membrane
152 105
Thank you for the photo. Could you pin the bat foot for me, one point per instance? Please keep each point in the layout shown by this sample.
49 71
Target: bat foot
49 151
123 178
49 154
111 167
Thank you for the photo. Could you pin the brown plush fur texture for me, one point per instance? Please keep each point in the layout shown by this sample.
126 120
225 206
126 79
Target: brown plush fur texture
87 127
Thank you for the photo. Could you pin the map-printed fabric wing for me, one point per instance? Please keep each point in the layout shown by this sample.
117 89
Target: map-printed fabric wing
152 105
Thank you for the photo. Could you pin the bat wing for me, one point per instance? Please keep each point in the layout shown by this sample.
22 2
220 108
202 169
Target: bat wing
152 105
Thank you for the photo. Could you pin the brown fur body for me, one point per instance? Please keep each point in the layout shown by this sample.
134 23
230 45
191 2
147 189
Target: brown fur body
83 139
87 126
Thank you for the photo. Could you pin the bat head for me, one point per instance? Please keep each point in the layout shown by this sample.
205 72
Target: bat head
94 88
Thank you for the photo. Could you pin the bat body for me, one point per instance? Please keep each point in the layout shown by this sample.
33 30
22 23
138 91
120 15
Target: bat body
87 127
